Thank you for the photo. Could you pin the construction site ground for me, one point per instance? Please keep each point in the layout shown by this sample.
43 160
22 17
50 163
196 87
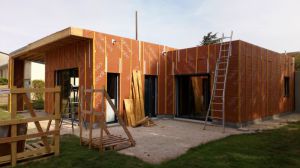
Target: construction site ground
171 138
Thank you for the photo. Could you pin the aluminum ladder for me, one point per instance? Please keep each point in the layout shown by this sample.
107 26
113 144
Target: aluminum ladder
217 102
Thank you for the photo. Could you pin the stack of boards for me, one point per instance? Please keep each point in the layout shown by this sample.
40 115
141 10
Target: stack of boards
134 106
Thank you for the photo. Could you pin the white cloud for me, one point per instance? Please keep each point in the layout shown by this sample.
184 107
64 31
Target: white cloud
269 23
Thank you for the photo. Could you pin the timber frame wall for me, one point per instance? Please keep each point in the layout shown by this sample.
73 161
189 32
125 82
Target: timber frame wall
32 149
255 79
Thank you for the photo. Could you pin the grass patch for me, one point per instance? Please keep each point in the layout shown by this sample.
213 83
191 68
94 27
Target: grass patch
272 148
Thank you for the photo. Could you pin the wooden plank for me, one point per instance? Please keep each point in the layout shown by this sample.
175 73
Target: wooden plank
129 111
101 125
57 123
36 145
82 96
29 147
33 90
28 136
141 122
26 120
13 130
141 95
136 98
91 119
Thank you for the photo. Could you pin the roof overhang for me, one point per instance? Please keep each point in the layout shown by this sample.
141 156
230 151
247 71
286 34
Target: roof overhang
36 51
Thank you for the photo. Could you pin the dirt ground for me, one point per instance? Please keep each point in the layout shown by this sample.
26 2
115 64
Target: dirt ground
171 138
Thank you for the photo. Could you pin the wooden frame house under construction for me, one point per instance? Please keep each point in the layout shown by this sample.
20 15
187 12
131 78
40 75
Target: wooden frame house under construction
176 82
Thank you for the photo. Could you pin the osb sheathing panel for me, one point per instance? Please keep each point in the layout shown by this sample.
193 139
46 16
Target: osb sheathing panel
262 82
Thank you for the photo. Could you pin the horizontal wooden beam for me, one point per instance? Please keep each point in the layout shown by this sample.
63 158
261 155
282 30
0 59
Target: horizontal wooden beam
32 90
24 137
27 120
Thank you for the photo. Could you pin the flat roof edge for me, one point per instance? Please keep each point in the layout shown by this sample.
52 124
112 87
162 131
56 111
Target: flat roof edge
70 31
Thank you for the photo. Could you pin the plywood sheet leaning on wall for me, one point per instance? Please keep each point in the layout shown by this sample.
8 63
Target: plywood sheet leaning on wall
197 82
134 107
128 103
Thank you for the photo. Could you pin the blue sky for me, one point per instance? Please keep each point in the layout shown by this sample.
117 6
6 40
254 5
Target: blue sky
273 24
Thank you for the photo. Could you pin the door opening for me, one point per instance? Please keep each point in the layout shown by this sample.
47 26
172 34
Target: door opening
68 80
113 92
192 96
150 95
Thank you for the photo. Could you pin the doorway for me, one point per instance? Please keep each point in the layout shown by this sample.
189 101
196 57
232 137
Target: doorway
68 80
113 92
150 95
192 96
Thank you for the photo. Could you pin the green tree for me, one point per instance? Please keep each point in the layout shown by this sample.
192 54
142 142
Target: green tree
3 81
38 84
296 55
210 38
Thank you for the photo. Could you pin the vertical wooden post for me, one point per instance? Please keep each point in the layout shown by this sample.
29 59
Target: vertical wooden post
102 120
57 122
13 128
81 104
91 117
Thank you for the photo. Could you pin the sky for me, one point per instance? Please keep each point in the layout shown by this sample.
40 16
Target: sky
272 24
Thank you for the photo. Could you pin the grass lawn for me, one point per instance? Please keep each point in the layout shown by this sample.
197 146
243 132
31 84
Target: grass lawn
274 148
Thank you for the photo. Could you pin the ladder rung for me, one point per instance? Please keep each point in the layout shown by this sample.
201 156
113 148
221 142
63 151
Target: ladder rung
220 76
216 103
218 96
219 82
219 89
221 69
220 118
222 62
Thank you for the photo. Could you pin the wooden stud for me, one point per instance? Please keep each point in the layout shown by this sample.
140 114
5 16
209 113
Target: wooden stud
13 129
39 150
82 95
57 122
91 119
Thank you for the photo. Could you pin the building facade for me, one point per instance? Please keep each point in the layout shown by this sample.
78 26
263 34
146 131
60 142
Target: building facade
176 82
